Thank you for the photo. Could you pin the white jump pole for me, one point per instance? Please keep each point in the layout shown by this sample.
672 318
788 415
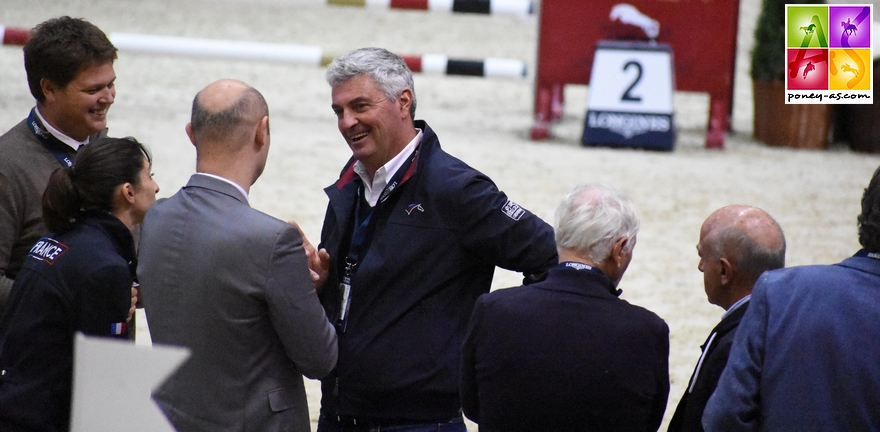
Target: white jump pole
297 54
191 47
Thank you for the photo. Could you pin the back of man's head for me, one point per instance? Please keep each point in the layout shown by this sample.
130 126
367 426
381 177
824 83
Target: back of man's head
60 48
749 238
869 219
591 218
387 69
224 114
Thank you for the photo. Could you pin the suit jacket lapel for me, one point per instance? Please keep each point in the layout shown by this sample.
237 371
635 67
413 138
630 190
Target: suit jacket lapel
731 321
726 325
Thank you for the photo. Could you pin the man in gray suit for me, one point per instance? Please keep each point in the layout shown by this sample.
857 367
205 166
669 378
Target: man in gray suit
231 283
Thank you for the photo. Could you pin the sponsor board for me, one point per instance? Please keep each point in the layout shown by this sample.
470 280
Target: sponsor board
630 96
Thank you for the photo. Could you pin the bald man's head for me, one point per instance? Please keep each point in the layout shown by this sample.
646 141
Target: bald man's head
749 242
747 234
225 113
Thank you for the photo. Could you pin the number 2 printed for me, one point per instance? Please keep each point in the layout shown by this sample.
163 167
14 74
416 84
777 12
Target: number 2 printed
626 94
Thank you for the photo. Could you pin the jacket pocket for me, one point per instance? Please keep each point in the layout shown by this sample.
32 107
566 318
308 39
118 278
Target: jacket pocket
283 399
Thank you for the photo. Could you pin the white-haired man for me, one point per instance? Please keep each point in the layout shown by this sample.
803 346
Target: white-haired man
567 353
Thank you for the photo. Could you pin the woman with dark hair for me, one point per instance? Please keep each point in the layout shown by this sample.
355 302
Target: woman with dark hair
79 278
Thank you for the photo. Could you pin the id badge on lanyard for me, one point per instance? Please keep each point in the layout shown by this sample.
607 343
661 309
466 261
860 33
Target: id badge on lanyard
345 296
345 301
362 237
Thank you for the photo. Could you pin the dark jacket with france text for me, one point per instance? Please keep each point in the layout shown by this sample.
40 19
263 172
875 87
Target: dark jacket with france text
79 281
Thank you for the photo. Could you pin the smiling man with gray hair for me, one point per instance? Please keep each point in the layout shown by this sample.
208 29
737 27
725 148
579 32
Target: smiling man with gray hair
567 353
411 238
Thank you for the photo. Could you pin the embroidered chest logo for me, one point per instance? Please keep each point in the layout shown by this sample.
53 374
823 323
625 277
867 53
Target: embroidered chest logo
411 207
513 210
47 250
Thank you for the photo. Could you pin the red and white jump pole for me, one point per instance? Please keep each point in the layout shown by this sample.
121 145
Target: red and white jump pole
515 7
299 54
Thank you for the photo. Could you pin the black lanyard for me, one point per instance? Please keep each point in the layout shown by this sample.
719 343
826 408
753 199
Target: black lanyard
56 147
580 266
362 235
588 268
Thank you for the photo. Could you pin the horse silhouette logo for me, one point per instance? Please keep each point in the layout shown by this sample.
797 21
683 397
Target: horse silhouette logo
411 207
849 28
809 68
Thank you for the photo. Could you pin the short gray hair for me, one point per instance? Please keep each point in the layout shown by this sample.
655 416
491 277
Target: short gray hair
387 69
591 217
749 256
231 125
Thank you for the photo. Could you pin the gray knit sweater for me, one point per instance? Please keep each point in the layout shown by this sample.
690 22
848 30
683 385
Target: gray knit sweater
25 167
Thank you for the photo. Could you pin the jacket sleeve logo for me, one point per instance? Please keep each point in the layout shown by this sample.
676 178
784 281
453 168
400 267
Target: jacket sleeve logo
47 250
513 210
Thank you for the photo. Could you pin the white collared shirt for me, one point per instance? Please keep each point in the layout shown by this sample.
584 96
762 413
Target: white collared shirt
374 190
240 189
736 305
74 144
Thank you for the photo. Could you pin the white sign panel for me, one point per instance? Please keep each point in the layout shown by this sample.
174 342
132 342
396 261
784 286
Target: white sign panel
113 381
626 80
630 99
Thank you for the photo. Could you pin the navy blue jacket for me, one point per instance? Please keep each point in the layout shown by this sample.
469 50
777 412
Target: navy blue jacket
564 354
78 281
437 240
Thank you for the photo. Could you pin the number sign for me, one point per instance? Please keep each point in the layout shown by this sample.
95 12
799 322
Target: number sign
630 96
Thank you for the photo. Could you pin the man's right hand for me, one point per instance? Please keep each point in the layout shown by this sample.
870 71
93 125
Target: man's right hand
318 260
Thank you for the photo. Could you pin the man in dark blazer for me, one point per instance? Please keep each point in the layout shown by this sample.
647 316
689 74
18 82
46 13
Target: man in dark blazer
737 244
805 356
566 354
231 283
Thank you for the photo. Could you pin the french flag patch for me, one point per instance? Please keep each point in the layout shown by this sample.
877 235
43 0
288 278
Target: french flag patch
117 328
